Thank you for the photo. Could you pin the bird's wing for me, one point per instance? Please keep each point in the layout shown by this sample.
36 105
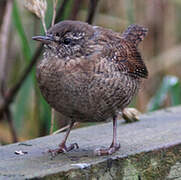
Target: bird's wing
127 59
133 62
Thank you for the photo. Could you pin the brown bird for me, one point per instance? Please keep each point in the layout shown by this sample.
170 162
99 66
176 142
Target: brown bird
90 73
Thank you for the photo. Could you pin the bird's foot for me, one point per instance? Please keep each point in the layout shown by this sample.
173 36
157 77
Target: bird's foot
63 148
107 151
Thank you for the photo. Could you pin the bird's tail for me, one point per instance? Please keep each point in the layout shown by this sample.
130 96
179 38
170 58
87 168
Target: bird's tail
135 33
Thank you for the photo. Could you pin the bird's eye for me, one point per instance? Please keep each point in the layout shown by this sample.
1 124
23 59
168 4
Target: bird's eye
67 41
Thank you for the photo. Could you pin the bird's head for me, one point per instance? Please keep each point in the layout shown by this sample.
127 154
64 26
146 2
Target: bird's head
68 39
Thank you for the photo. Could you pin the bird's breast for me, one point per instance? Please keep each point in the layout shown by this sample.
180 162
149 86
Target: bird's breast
85 91
64 85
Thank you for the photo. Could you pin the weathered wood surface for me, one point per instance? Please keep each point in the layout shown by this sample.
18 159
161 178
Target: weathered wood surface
150 149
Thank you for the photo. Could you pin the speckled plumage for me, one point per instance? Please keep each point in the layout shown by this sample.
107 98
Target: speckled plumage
94 84
89 73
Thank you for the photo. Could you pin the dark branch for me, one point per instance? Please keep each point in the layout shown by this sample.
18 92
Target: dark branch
11 125
75 9
91 11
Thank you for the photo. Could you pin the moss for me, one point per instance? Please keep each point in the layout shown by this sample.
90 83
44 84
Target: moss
152 165
130 172
159 164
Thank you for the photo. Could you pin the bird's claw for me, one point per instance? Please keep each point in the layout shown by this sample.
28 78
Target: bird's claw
63 148
107 151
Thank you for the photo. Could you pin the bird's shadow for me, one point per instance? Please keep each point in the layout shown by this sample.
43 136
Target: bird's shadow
75 154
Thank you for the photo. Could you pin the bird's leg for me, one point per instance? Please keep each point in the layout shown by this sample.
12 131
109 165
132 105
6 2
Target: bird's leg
114 145
62 146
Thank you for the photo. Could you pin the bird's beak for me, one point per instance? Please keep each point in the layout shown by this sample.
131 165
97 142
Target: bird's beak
43 39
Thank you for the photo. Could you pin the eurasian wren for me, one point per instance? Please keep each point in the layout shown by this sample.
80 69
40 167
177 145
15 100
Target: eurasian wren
90 73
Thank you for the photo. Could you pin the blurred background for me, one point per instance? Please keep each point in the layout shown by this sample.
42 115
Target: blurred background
24 114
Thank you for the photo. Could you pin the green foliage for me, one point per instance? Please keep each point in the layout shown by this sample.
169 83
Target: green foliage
21 106
19 28
68 9
130 11
170 86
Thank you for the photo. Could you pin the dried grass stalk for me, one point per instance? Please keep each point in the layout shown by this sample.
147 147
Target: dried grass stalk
54 11
52 120
53 111
38 7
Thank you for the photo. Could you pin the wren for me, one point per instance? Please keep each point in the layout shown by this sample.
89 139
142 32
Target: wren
90 73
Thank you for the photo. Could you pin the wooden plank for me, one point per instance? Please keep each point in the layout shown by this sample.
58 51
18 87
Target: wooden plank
150 148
